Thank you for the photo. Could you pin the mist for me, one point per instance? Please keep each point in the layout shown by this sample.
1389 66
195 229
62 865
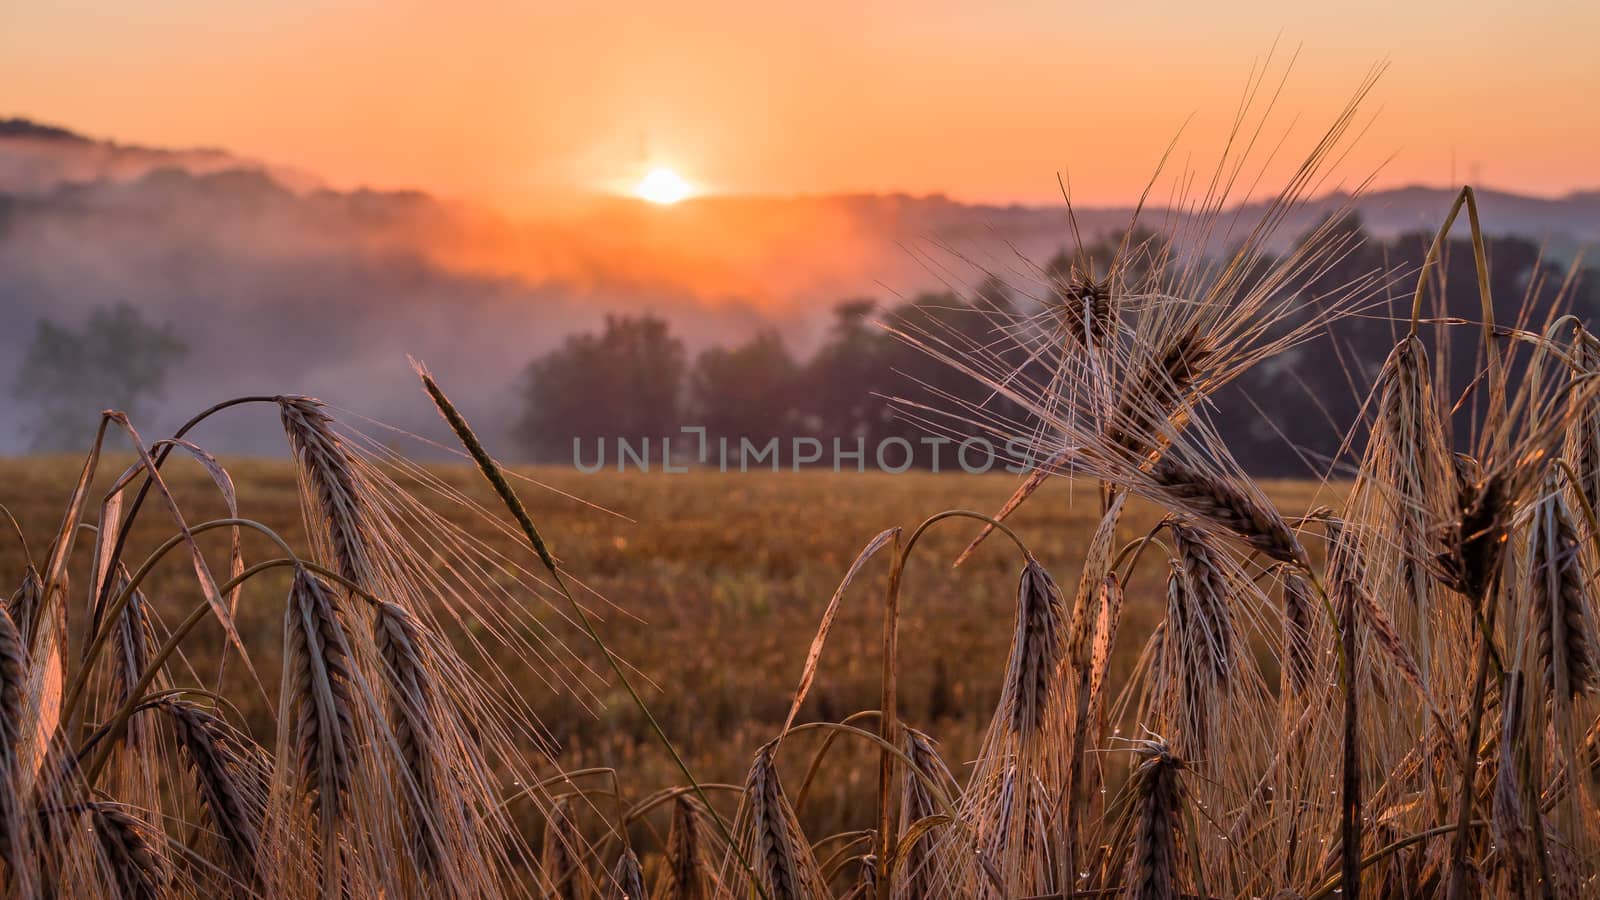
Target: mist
279 285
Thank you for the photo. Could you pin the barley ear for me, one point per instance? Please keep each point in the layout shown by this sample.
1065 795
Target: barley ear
321 691
329 476
408 684
1152 872
774 842
1508 819
685 877
1564 627
558 855
131 854
13 712
627 879
231 776
1037 649
1298 660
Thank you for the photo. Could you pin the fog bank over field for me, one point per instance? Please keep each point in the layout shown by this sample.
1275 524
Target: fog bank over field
280 285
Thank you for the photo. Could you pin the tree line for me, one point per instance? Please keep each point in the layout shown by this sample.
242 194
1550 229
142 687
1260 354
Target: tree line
633 379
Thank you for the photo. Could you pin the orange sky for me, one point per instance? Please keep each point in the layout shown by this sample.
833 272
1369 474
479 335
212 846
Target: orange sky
511 103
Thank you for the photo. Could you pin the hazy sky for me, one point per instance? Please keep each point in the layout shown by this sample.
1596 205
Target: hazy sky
507 102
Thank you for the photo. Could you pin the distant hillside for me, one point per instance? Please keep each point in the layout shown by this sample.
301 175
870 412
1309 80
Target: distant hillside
36 158
279 284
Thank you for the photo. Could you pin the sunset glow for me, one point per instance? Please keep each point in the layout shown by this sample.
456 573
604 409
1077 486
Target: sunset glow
981 103
662 186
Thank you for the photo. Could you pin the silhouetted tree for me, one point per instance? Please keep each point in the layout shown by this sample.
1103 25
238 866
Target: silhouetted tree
911 373
896 367
840 380
118 360
1293 409
746 391
625 382
1287 416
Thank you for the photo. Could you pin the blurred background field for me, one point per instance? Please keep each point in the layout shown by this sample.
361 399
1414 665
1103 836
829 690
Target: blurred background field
713 591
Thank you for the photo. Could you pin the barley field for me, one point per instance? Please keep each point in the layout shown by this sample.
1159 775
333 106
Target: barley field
1152 676
715 585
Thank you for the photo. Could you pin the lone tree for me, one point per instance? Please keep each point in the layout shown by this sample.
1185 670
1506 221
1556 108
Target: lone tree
118 360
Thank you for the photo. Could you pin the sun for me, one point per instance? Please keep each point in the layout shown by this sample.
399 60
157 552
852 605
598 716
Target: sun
663 186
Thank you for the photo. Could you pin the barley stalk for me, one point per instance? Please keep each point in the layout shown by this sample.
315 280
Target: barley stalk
1564 636
331 478
775 844
685 869
1298 660
1222 503
410 711
13 712
1350 824
136 868
627 879
231 775
321 709
1037 649
1153 866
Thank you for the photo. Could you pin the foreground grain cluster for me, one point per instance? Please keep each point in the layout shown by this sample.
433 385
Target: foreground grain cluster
1394 697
